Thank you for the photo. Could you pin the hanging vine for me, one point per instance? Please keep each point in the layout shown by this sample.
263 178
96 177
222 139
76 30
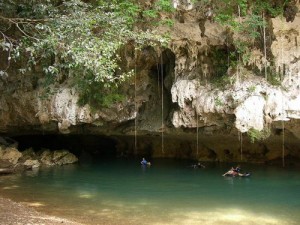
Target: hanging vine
162 105
283 145
135 102
241 144
197 135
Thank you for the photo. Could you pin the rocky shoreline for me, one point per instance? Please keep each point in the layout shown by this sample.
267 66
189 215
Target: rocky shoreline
14 161
13 213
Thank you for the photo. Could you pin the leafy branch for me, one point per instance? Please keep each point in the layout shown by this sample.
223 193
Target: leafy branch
77 39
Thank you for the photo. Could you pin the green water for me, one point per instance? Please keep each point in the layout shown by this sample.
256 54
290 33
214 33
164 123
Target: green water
169 192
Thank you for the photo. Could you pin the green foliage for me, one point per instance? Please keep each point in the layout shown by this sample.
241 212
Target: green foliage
79 40
251 24
159 7
220 64
150 13
164 6
245 18
269 7
168 22
126 9
225 19
247 29
256 135
218 101
274 79
251 88
104 98
223 81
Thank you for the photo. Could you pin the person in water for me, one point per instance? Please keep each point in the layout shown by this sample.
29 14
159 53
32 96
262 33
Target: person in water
233 171
237 169
144 162
198 165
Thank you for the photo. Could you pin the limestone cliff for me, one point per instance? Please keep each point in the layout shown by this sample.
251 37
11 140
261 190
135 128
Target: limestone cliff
175 94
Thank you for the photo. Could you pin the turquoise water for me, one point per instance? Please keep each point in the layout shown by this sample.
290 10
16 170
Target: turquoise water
120 191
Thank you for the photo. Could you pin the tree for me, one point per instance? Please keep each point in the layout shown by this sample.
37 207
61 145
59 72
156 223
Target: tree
77 39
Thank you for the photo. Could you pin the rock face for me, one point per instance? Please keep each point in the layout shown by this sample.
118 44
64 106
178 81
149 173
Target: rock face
58 157
177 97
12 160
12 155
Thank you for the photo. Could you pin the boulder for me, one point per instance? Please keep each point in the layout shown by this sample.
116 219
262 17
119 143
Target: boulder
62 157
29 163
10 154
57 157
28 154
46 158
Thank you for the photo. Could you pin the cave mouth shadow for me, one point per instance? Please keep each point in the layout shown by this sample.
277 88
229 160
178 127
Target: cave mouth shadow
83 146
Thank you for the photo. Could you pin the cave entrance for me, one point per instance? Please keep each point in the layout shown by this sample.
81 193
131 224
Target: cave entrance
83 146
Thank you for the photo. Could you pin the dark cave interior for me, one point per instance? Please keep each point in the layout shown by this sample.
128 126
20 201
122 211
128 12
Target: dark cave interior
95 146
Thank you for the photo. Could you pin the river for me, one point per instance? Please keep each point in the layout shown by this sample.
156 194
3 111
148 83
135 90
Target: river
121 191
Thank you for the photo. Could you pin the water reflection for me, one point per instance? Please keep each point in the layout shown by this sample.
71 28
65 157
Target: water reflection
33 172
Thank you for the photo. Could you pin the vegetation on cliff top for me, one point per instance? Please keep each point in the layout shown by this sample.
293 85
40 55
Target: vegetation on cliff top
78 39
249 24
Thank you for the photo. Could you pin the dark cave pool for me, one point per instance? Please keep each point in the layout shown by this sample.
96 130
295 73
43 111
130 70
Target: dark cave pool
120 191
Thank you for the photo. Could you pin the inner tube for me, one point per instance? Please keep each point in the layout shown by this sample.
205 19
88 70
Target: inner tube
238 175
